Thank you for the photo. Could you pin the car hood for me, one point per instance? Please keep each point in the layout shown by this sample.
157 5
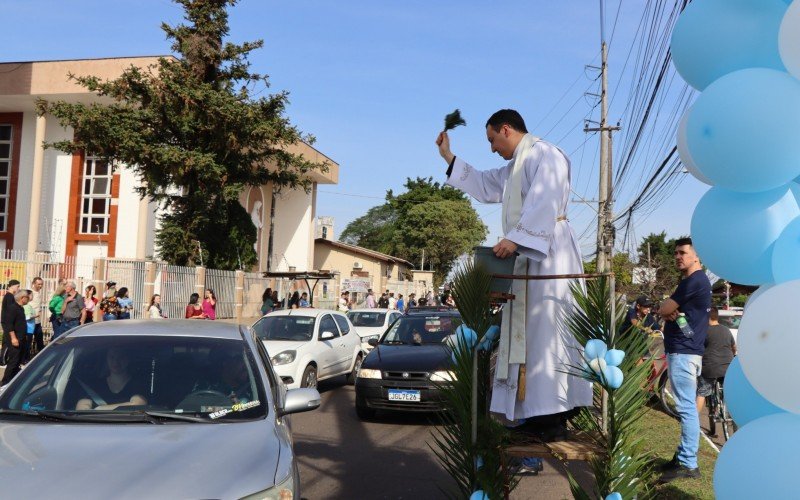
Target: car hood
409 357
368 331
121 460
277 346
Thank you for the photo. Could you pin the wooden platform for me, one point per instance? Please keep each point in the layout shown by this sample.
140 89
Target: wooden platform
565 450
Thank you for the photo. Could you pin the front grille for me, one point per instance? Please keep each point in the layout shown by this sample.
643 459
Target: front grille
406 375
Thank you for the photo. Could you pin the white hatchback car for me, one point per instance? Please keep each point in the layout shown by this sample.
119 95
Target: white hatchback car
308 345
371 323
731 318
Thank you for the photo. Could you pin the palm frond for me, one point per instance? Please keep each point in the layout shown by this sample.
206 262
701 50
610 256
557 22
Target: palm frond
453 120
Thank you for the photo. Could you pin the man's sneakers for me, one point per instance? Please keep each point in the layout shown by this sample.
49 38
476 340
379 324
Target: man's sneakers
673 470
681 472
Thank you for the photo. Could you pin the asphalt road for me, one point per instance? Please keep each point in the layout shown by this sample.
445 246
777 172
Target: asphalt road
342 457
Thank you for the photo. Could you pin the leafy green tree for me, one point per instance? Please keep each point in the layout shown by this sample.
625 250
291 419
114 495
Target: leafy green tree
429 217
660 257
195 135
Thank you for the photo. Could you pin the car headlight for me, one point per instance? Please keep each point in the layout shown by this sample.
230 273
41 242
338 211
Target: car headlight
443 376
284 358
368 373
284 490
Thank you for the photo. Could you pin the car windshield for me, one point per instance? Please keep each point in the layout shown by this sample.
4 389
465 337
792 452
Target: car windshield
176 377
361 318
296 328
421 330
730 321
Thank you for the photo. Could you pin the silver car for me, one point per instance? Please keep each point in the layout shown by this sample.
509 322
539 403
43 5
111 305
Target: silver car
150 409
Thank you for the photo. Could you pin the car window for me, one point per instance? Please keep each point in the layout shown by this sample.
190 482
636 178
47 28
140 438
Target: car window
367 318
327 324
207 378
294 328
344 326
421 329
394 317
730 321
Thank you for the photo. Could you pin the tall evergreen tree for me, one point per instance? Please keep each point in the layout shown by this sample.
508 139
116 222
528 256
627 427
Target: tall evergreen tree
195 135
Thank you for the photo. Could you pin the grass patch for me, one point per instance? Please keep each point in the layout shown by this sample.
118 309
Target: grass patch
661 435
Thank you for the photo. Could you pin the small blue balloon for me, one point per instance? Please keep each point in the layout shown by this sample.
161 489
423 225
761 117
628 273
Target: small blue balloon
595 348
613 377
744 402
744 130
715 37
733 233
760 459
479 495
478 462
614 496
614 357
466 336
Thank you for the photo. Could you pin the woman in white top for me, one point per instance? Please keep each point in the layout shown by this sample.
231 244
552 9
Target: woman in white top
155 308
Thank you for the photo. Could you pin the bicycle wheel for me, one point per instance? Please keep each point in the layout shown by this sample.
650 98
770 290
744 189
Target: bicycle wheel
667 396
713 411
728 425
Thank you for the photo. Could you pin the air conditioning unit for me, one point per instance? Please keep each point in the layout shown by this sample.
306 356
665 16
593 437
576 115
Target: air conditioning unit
357 265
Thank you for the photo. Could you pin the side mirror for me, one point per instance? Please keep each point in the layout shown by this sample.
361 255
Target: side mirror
300 400
326 335
373 342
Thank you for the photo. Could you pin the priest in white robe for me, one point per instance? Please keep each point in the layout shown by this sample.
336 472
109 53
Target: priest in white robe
534 188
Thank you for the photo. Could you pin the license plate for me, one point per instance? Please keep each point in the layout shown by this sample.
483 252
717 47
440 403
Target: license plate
404 395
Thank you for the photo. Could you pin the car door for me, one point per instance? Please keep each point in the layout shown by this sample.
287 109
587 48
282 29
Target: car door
327 350
350 343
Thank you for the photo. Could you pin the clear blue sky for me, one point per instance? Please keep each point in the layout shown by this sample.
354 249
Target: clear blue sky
372 80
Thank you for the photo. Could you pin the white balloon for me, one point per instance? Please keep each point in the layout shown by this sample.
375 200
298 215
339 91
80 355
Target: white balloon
683 150
768 341
789 39
598 365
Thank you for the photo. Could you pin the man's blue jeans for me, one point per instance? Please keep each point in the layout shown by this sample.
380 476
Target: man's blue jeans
683 372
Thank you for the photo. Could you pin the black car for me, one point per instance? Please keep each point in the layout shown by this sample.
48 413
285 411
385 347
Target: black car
408 364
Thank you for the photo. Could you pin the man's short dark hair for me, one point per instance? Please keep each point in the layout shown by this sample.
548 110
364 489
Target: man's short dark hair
683 242
507 117
713 314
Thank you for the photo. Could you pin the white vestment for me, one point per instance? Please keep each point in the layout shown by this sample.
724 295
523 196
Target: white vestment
546 238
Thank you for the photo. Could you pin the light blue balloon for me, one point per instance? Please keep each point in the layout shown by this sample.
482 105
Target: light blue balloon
613 377
614 496
466 336
595 348
715 37
745 403
614 357
744 130
786 254
479 495
733 233
760 460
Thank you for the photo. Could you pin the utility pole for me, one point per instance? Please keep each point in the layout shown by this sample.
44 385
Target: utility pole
605 209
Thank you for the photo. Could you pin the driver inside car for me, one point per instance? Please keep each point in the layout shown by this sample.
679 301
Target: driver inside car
115 388
232 379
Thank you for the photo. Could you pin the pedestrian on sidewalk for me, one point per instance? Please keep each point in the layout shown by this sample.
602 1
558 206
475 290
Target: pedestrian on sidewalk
109 307
154 310
14 327
294 301
401 304
125 303
210 304
54 306
684 344
267 305
371 304
720 348
73 310
30 327
90 303
304 303
194 310
36 303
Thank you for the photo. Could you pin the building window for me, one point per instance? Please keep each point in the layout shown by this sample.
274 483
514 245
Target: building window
324 233
96 196
5 174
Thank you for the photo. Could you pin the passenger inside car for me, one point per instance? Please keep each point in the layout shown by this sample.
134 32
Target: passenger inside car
115 387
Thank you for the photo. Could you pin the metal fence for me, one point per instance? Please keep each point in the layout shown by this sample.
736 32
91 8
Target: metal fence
130 274
254 286
175 284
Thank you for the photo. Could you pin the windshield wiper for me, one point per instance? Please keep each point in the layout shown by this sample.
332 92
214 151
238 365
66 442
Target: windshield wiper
176 416
50 415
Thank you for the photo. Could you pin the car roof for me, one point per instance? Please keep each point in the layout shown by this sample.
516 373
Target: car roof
304 311
165 327
439 310
373 309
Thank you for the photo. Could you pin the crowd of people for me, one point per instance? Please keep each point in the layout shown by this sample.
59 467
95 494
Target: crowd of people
387 300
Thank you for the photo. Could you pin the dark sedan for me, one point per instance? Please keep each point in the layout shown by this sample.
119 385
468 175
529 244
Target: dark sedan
407 366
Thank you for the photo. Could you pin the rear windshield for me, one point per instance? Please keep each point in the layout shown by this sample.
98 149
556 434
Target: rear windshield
730 321
370 319
296 328
133 375
421 330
